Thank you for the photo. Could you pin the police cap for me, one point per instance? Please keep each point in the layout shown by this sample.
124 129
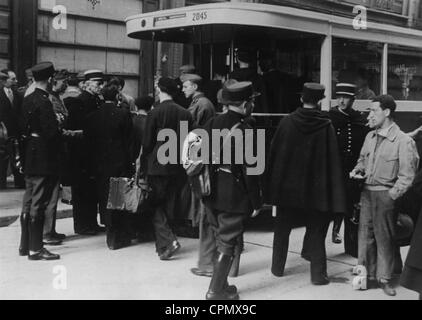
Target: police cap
43 71
346 89
194 78
238 92
313 91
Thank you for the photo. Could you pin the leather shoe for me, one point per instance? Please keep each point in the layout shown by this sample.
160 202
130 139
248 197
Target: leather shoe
323 281
387 288
201 273
57 236
51 242
170 251
43 254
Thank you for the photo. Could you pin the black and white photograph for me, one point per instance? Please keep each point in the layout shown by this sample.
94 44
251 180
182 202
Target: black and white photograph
217 151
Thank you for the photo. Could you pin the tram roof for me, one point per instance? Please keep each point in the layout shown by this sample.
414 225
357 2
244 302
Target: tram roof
177 25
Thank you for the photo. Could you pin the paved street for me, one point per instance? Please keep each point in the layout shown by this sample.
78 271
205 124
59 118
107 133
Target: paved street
94 272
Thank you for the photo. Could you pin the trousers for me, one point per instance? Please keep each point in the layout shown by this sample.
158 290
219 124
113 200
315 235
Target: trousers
316 231
377 248
165 190
51 212
229 227
38 194
85 204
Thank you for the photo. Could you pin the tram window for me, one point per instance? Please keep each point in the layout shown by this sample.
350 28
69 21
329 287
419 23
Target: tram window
405 73
358 62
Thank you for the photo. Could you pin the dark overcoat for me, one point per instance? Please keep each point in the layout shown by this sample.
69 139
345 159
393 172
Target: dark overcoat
304 169
108 132
42 153
166 115
234 192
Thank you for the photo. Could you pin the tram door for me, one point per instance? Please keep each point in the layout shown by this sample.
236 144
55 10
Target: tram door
283 59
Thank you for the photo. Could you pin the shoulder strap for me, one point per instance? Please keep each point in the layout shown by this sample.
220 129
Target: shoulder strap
227 138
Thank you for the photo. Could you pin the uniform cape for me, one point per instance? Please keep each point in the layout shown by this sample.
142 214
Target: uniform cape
304 168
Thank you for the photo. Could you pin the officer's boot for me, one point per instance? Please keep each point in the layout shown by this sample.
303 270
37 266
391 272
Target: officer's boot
24 244
218 286
36 228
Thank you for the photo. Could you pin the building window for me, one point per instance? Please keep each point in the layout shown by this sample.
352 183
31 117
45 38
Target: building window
358 62
405 73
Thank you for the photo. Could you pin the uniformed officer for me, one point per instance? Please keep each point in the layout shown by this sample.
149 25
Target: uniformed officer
201 107
41 162
202 111
85 203
351 130
234 195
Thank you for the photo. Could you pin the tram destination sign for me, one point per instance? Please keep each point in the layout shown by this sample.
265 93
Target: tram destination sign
395 6
177 19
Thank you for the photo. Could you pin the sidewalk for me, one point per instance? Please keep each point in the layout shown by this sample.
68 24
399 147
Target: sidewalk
94 272
11 205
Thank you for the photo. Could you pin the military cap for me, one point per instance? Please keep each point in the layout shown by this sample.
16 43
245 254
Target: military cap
94 75
187 68
43 71
313 90
168 85
220 98
3 76
346 89
238 92
194 78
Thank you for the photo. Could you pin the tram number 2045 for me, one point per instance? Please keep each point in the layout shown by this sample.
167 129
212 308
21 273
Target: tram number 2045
199 16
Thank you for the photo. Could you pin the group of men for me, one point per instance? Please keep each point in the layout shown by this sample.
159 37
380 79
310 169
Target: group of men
320 166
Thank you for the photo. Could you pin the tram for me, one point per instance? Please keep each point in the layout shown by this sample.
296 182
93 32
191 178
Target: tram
309 46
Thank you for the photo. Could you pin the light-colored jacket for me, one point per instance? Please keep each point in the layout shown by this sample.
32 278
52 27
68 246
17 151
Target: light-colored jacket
393 165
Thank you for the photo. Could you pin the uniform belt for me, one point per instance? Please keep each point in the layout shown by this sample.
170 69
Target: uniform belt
376 188
35 135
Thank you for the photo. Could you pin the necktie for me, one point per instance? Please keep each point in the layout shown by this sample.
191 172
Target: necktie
9 94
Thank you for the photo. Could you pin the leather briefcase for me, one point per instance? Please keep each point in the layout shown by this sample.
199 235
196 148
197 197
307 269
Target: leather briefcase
124 195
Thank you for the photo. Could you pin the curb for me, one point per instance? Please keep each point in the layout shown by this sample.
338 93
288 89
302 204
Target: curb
8 220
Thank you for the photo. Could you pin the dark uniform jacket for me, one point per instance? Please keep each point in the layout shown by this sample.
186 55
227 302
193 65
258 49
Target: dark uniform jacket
201 109
90 102
248 74
304 169
234 192
108 134
351 131
166 115
9 113
42 129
